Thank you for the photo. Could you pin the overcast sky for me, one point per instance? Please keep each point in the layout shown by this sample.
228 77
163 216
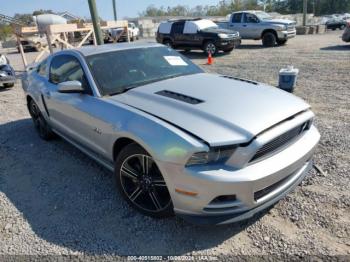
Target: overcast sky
127 8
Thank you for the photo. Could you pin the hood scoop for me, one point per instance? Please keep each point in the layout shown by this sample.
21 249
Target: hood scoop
180 97
240 79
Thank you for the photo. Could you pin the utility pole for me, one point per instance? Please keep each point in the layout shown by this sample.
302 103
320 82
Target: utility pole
114 9
95 21
304 12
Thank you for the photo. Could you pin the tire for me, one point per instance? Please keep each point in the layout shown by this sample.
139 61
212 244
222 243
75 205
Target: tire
210 47
141 183
282 42
229 50
269 39
168 43
342 27
8 85
40 124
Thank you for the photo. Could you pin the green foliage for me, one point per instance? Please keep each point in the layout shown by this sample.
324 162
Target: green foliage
5 31
42 11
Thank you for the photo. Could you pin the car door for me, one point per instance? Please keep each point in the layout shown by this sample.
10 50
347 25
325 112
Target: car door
236 23
192 37
71 113
251 26
177 33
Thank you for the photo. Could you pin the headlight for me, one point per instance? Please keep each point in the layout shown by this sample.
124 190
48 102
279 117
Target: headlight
282 27
215 155
223 35
3 73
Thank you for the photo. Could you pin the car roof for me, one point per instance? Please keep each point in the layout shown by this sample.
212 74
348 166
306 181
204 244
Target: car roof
92 50
183 20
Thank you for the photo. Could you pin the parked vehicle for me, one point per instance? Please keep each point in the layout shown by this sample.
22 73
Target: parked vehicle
258 25
35 43
7 74
197 34
334 24
346 34
121 35
212 148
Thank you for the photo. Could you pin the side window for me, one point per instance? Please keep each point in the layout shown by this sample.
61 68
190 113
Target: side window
41 70
250 18
237 18
177 28
67 68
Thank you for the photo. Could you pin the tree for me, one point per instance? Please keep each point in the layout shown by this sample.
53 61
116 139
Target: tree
5 31
42 11
26 19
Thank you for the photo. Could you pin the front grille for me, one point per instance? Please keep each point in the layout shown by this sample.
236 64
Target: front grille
267 190
280 141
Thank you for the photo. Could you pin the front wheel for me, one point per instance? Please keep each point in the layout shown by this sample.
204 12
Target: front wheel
39 121
342 27
210 48
269 39
141 183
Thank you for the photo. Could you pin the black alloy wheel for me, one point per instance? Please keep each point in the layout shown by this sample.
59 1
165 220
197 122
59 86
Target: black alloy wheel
39 121
141 182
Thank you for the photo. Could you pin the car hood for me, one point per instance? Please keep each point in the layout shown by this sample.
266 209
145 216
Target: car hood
279 21
218 109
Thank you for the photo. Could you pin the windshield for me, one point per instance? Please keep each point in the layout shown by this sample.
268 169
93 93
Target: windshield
205 24
263 15
118 71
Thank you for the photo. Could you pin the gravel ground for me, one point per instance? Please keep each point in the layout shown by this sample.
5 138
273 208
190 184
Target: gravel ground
54 200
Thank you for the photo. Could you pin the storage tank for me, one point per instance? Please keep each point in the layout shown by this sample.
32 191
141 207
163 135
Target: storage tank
44 20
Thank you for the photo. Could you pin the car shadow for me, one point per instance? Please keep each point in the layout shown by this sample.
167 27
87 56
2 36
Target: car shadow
71 201
200 54
336 48
257 46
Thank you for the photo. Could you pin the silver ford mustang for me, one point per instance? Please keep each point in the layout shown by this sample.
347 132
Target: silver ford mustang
213 149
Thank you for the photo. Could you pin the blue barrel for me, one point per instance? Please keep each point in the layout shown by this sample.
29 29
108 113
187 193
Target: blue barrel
288 78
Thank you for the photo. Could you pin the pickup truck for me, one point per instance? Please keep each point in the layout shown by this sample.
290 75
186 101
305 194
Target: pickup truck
258 25
134 33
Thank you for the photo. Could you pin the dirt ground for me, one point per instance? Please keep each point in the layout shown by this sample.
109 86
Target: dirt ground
54 200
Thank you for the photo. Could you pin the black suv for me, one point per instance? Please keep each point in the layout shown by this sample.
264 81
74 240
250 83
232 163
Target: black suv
197 34
336 24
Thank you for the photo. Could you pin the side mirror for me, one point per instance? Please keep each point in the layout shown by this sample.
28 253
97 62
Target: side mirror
70 87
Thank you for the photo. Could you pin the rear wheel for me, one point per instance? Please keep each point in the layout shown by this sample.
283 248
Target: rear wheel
269 39
210 48
168 43
39 121
141 183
